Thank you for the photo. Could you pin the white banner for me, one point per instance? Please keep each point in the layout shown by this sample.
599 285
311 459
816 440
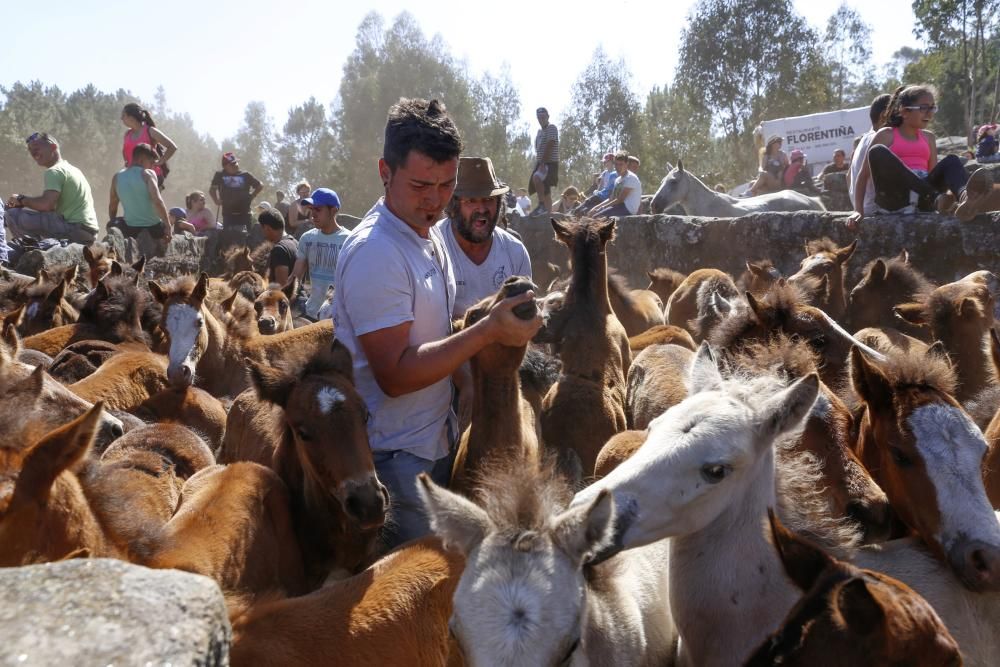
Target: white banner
819 134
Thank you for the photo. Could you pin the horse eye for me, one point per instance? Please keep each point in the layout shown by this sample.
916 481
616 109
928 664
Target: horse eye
258 307
368 417
282 307
713 472
818 341
303 434
900 458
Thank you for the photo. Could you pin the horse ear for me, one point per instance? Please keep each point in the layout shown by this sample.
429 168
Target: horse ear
461 524
273 385
720 304
88 255
878 271
341 360
914 313
785 410
938 351
10 338
69 275
858 605
803 561
102 288
158 293
116 269
680 165
31 386
201 289
227 305
868 380
587 529
58 293
704 374
607 230
246 251
564 230
57 451
904 256
754 304
291 289
844 254
13 318
969 307
140 265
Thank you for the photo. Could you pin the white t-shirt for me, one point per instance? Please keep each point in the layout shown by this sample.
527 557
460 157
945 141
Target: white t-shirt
634 198
473 283
388 275
860 155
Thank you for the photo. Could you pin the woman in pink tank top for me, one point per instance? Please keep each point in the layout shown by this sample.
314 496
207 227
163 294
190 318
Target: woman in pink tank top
142 130
903 160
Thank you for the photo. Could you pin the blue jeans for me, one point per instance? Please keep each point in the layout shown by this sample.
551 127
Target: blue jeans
398 470
616 211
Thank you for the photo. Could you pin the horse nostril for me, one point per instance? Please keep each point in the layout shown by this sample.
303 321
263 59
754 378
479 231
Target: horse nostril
353 506
117 431
979 562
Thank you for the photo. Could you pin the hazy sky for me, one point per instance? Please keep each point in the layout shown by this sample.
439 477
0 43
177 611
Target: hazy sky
214 56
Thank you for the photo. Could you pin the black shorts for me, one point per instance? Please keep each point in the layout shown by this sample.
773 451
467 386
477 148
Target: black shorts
156 232
551 178
234 220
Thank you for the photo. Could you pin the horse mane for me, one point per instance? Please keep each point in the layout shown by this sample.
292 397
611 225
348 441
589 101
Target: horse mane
618 285
783 299
914 368
900 272
521 498
539 370
125 305
799 481
939 308
707 318
783 356
663 273
825 244
586 236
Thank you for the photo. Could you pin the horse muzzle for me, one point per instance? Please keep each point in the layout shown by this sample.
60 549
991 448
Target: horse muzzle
180 375
977 565
267 325
366 503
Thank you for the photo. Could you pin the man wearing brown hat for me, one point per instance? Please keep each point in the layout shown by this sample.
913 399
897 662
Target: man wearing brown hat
483 254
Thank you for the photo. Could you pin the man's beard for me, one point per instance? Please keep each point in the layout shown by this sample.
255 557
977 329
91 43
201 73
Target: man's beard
467 230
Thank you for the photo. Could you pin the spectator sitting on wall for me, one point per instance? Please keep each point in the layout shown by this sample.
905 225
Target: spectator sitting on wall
876 112
568 201
773 163
797 177
179 222
986 144
605 185
65 210
199 215
625 196
839 164
137 190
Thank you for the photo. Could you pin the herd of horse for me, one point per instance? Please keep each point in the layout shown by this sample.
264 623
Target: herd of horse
760 470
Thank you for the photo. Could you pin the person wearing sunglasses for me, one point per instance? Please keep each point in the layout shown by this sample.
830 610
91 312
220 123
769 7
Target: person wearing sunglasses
65 210
903 160
319 247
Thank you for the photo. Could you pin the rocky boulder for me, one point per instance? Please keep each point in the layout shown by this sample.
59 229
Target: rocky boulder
108 612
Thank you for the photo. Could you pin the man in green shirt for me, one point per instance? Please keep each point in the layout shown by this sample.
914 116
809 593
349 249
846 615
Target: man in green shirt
65 210
137 190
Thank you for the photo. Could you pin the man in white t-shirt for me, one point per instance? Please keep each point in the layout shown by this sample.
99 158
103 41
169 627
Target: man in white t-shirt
625 196
483 255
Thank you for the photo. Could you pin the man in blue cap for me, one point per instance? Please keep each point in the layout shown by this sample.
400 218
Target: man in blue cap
319 247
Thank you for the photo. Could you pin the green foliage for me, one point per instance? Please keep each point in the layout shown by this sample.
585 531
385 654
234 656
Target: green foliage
847 43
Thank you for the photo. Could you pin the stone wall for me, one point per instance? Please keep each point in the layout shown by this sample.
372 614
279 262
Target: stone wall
940 246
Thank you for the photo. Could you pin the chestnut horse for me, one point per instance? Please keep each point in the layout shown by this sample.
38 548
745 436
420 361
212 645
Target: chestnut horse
663 282
503 423
587 405
690 307
960 315
324 458
759 277
394 613
927 454
849 616
824 258
885 284
274 308
636 309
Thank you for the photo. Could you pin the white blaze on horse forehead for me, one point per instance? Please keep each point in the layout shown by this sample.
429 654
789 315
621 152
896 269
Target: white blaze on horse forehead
814 262
328 398
183 325
952 448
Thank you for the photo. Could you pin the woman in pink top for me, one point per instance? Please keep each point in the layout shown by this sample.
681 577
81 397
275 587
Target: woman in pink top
142 130
198 215
903 159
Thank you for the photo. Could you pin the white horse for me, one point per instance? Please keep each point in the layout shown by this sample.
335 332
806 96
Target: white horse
686 190
706 476
525 598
